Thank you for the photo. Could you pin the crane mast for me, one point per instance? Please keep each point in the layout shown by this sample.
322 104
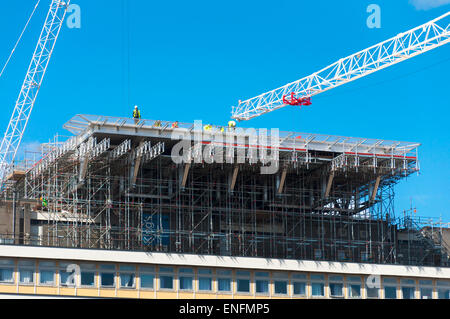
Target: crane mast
31 85
404 46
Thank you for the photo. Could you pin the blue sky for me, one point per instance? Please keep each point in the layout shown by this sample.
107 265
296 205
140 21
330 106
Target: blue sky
193 60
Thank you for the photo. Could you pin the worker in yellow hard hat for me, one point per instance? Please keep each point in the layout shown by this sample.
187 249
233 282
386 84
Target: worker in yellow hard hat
231 125
44 202
207 127
136 114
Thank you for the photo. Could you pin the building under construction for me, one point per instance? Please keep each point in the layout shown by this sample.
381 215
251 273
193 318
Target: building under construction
151 209
114 185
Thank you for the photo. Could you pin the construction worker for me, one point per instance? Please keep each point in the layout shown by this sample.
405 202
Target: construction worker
136 114
44 202
207 127
231 125
175 124
157 123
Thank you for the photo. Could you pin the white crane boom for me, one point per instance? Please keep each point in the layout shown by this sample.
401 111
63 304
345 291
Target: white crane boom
405 45
31 85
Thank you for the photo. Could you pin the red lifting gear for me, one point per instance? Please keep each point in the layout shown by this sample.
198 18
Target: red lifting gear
295 101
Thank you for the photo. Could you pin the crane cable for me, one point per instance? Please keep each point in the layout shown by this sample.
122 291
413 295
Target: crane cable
20 38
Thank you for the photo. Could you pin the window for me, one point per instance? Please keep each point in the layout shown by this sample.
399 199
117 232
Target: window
147 277
341 255
165 278
26 272
317 286
390 288
205 279
336 286
224 280
107 276
67 278
127 275
426 289
280 283
299 284
408 288
443 289
185 277
262 283
243 281
373 285
354 287
47 273
6 271
87 275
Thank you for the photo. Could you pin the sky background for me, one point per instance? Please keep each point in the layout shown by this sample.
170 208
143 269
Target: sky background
193 60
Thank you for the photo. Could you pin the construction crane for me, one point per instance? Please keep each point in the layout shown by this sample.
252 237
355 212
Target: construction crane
404 46
31 85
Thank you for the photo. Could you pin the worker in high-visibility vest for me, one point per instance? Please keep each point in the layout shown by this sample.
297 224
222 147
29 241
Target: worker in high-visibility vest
231 125
136 114
175 124
44 202
207 127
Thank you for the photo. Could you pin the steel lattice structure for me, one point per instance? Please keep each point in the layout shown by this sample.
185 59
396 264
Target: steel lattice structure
31 85
404 46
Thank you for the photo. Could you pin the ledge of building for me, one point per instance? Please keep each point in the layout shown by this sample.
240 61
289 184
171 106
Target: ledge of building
175 259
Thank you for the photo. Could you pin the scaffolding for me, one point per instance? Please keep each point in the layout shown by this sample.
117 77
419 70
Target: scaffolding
114 185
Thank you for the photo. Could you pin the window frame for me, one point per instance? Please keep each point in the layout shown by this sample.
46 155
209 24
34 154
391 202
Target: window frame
184 273
425 284
377 289
353 281
107 271
441 285
205 275
88 269
332 279
318 281
8 264
29 267
47 267
62 269
280 277
127 270
262 276
389 283
408 283
239 275
150 271
224 274
299 279
166 273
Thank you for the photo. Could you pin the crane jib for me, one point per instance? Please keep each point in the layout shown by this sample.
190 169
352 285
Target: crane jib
406 45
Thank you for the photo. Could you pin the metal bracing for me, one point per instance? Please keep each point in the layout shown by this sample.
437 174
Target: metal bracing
406 45
31 86
300 212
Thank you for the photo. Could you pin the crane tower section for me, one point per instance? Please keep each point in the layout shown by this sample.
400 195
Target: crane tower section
31 85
